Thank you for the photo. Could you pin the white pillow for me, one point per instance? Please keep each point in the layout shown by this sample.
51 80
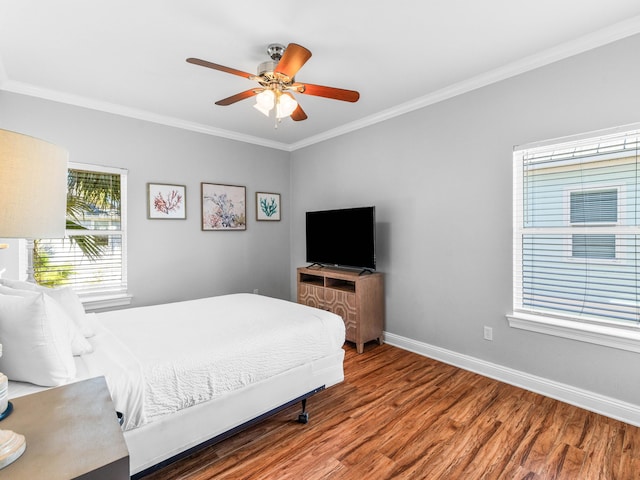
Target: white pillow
35 345
79 344
65 296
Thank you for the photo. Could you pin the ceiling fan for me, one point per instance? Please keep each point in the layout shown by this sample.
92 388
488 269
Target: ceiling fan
277 83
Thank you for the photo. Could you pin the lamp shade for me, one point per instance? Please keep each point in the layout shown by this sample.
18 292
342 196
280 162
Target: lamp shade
33 187
286 105
264 102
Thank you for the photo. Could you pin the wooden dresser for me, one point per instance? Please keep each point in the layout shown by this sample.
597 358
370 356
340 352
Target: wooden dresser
358 299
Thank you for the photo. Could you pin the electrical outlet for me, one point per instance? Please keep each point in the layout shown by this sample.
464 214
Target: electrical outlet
256 291
488 333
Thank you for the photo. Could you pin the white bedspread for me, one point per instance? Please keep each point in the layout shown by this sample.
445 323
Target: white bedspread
164 358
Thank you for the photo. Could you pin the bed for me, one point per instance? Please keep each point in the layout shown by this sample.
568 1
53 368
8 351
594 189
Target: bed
190 373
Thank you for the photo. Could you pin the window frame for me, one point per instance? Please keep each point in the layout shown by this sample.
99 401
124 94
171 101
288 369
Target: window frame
604 332
108 298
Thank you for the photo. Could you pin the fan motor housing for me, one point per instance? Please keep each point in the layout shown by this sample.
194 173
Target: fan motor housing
266 71
267 67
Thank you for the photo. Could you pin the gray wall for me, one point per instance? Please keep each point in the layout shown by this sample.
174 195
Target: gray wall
440 178
441 181
173 259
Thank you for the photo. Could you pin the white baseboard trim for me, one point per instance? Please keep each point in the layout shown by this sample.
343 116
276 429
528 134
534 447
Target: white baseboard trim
601 404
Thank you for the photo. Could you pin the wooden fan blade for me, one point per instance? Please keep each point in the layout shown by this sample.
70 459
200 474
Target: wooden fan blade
295 56
239 96
222 68
327 92
298 114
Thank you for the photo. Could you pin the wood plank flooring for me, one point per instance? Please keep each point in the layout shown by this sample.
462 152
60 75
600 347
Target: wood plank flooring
399 415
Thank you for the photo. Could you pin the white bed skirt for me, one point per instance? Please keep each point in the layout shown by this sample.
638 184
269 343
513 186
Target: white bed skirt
163 439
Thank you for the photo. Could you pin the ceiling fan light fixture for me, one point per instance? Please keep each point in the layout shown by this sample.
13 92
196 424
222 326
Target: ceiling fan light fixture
265 101
261 109
285 106
277 79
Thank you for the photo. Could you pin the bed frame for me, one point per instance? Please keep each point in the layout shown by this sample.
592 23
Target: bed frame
303 417
160 443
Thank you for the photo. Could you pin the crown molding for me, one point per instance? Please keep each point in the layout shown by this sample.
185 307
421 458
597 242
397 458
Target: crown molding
583 44
33 91
588 42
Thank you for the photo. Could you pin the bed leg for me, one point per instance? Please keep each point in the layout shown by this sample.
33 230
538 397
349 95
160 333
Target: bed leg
304 416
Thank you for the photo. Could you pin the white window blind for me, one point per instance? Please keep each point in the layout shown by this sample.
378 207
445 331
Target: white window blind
576 228
91 258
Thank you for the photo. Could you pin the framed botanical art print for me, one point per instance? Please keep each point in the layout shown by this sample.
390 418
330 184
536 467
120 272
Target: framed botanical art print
224 207
267 206
165 201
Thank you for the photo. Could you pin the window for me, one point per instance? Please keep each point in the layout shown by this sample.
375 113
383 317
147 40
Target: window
91 258
593 207
577 233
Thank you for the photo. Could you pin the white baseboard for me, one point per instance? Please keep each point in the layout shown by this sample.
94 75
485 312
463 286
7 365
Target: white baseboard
601 404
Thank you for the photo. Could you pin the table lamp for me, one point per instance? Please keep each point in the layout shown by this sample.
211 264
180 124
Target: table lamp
33 201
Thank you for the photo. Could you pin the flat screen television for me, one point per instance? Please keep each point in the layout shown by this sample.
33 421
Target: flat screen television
345 237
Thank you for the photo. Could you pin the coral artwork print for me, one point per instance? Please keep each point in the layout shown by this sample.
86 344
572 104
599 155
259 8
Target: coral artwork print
170 204
223 207
166 201
267 206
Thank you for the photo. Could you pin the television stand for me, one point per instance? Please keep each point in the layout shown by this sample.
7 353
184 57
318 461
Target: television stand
357 298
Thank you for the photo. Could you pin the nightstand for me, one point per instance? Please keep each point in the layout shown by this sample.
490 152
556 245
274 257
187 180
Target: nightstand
72 432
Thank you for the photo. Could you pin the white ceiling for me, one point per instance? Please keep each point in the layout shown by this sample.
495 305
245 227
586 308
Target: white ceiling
128 56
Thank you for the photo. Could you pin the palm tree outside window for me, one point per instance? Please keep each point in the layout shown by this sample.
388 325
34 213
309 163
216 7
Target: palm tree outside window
91 258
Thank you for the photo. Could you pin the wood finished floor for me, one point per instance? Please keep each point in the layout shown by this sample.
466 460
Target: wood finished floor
399 415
